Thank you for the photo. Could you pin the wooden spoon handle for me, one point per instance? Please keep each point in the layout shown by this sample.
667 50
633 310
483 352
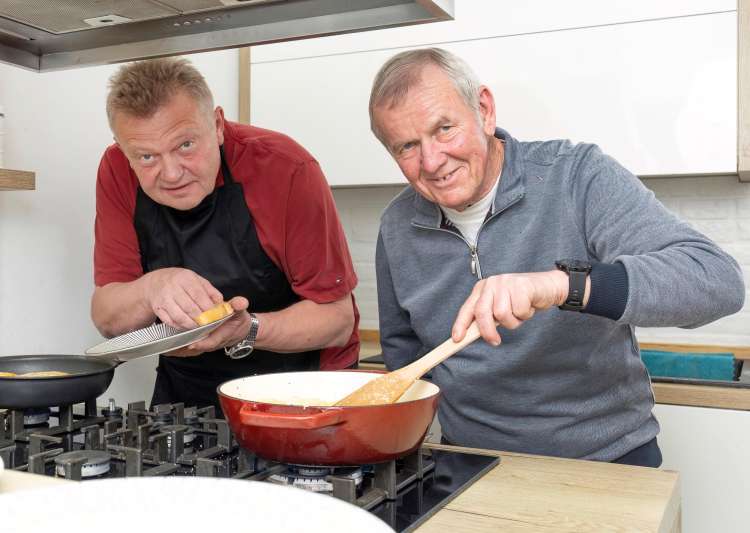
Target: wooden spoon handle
442 352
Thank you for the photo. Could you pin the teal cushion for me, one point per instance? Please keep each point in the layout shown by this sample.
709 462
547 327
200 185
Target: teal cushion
714 366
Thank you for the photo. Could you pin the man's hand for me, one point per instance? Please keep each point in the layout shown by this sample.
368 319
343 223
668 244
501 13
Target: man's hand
230 332
507 300
176 295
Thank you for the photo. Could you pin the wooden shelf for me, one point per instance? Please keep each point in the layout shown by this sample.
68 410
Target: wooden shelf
17 180
702 396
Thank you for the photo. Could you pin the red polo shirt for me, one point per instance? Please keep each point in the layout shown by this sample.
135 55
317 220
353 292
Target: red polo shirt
292 207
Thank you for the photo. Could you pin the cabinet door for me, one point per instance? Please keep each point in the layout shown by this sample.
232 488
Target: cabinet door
475 19
708 448
659 96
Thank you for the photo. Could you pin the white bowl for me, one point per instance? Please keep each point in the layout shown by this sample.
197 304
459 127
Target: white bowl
181 504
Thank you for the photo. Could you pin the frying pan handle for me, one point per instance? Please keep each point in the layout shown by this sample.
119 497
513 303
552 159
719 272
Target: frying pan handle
323 418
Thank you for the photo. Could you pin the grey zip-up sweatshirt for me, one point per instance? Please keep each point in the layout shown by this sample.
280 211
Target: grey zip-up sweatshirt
565 383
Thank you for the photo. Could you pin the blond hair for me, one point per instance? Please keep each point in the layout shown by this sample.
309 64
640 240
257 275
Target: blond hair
139 89
404 70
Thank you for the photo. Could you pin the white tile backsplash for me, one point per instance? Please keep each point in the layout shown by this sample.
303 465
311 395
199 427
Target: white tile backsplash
719 206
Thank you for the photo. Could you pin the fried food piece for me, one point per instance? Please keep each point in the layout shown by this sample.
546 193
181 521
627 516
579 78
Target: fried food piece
215 313
44 374
8 374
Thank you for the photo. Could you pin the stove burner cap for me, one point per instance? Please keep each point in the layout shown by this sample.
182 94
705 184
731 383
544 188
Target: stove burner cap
96 462
311 471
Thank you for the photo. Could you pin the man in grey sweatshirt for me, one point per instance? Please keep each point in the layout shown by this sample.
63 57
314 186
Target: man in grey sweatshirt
557 244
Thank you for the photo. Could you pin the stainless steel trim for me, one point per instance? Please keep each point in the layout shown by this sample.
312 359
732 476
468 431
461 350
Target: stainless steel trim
232 26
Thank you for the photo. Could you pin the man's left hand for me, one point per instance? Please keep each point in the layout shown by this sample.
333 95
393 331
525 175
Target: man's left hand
230 332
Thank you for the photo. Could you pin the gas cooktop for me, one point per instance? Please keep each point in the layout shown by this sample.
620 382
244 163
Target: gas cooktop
85 442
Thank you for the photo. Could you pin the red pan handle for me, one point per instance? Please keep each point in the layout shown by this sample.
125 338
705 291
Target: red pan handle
323 418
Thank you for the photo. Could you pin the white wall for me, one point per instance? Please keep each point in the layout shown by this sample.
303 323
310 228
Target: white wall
55 125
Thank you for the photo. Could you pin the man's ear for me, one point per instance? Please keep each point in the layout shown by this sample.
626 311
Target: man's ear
487 110
219 124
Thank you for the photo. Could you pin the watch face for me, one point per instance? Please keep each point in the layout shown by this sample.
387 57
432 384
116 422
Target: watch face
575 265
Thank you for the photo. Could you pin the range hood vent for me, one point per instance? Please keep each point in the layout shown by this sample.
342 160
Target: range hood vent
45 35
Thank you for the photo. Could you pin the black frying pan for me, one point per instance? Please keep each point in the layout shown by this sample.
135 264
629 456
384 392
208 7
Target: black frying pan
88 378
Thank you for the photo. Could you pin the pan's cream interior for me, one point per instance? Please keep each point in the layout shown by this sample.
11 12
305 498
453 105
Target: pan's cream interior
312 388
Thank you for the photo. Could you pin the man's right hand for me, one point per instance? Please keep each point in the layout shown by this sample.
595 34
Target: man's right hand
176 295
508 300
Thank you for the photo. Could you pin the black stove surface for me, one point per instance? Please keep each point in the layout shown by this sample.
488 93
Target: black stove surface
420 500
86 442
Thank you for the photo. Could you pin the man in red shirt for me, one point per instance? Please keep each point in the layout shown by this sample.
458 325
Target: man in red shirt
192 209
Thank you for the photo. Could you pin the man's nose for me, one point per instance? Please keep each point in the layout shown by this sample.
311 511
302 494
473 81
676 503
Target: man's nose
432 157
171 168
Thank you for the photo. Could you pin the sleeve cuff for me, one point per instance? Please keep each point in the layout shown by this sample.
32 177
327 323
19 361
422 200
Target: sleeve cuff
609 290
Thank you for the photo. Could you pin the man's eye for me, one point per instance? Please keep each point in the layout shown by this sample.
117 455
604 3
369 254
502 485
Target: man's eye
187 145
446 128
406 147
146 158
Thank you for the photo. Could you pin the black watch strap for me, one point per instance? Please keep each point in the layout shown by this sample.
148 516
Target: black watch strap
577 272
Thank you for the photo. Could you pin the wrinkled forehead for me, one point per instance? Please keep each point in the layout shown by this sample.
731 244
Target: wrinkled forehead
411 84
425 105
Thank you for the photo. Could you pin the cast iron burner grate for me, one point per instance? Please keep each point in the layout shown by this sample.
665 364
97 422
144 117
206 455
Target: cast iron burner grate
83 442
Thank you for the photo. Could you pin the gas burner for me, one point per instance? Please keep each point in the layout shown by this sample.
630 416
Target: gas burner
112 411
315 479
95 462
311 471
188 437
162 418
35 417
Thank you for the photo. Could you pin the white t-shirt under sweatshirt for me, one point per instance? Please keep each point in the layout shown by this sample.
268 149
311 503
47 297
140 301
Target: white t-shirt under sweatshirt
470 219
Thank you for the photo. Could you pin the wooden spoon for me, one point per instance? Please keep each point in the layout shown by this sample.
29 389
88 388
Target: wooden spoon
389 387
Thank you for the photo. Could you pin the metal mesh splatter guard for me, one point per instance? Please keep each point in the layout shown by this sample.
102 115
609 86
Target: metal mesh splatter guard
152 340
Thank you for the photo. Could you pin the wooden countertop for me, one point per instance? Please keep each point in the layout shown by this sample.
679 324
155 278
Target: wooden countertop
527 493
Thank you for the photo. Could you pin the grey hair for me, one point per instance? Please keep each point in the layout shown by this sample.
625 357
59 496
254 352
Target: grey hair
403 71
139 89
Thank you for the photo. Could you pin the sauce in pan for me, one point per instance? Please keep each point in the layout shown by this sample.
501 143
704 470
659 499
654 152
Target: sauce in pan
38 374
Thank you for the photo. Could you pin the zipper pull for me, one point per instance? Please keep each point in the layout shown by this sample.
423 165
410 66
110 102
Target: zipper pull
474 261
476 268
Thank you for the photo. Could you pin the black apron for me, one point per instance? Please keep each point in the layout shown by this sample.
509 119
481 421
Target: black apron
218 241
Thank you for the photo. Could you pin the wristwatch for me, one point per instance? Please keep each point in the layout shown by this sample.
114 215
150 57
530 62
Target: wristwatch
245 346
577 272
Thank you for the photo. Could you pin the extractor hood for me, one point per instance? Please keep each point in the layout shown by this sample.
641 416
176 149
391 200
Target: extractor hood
47 35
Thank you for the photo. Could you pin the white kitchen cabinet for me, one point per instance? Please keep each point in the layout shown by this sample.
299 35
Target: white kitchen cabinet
708 447
475 19
658 95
